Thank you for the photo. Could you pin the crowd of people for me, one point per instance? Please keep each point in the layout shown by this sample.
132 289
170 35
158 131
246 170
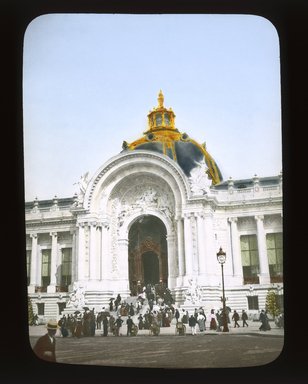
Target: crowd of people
154 313
149 310
143 317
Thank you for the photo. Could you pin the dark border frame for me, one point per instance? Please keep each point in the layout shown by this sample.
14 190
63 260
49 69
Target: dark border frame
18 363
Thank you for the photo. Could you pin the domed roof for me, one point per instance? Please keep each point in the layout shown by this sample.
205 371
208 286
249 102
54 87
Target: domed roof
162 136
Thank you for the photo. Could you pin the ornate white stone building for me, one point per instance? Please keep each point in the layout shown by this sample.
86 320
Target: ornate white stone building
157 212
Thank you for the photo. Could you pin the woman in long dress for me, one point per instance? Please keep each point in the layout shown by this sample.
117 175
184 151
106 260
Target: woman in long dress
213 324
201 322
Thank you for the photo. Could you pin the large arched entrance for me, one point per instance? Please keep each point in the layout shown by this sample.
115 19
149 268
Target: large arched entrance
147 253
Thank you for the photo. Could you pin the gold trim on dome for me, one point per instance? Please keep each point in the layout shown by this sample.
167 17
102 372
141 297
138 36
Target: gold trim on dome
162 130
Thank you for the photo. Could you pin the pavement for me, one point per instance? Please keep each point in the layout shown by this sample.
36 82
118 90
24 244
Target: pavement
240 347
252 329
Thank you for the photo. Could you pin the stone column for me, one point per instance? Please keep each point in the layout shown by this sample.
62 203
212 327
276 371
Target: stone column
53 266
74 255
180 242
235 249
94 269
201 244
264 275
188 245
122 264
194 233
81 253
172 267
211 265
33 263
105 253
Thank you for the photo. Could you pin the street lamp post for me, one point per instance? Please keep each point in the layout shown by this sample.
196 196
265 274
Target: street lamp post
221 257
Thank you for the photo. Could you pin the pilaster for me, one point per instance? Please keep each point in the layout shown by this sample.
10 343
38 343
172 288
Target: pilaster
180 248
188 245
172 266
94 267
201 244
53 267
105 252
33 263
211 265
264 276
81 252
122 265
235 249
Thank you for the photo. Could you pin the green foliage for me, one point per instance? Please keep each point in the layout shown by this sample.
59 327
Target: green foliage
30 312
272 303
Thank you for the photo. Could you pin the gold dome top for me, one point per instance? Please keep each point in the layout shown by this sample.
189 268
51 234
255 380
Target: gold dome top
162 136
161 118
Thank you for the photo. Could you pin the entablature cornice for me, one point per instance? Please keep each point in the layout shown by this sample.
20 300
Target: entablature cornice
47 228
250 204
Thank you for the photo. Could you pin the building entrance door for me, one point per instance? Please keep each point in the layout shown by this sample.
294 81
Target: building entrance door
150 268
147 253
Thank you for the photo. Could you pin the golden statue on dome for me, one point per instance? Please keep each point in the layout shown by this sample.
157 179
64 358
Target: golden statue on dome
160 99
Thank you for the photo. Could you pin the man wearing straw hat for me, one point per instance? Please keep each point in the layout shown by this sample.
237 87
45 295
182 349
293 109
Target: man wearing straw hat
46 345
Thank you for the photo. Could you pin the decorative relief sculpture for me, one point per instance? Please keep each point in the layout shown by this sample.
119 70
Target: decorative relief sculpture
116 206
199 180
76 299
142 195
193 293
148 197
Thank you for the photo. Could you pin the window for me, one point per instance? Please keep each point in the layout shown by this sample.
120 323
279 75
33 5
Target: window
66 267
40 309
159 119
250 259
274 254
46 260
28 266
253 302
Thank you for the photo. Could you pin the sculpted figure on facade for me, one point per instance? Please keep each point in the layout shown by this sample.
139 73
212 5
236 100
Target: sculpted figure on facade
76 299
82 183
199 181
148 197
193 293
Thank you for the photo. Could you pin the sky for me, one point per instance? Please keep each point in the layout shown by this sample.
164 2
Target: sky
89 81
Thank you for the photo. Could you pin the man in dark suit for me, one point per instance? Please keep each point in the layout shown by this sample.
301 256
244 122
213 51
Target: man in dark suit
46 345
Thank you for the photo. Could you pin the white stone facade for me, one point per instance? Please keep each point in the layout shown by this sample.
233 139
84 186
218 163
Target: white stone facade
198 219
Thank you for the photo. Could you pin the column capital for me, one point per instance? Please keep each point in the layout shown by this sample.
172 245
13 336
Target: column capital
200 215
105 224
55 234
232 219
33 235
259 217
188 215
